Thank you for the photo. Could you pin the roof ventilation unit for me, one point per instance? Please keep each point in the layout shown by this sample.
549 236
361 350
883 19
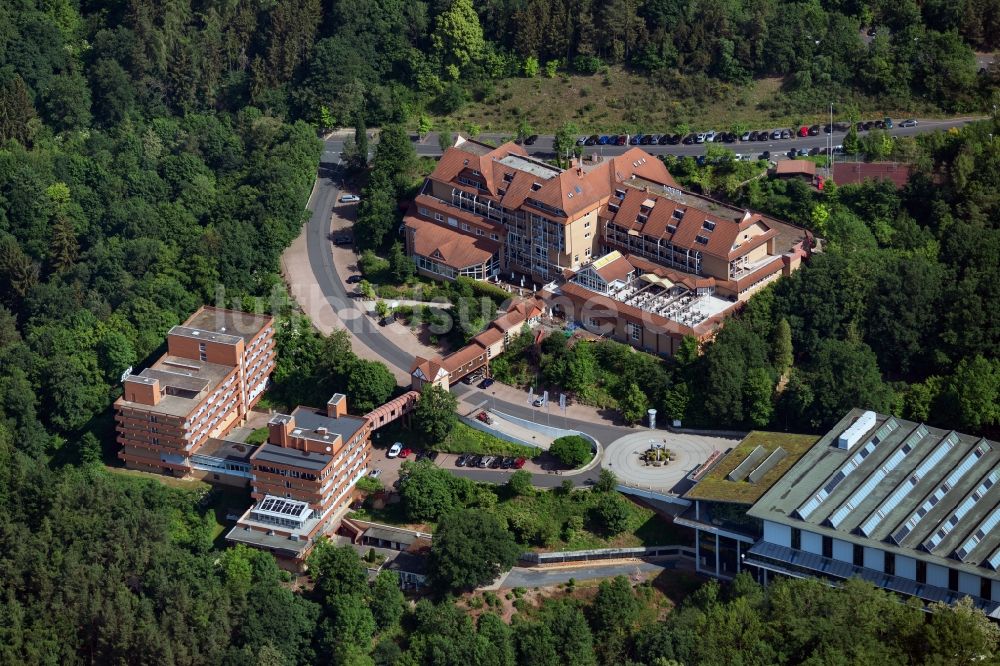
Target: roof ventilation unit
850 437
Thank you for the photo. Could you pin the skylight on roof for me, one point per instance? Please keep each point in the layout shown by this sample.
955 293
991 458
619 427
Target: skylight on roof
535 187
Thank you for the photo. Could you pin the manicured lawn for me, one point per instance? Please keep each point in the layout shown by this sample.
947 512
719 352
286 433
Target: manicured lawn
466 439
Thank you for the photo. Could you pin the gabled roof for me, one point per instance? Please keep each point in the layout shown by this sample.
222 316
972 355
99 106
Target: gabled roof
456 360
612 266
686 220
508 174
446 246
426 369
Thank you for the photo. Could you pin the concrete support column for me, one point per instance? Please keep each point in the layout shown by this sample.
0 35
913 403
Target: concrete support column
718 571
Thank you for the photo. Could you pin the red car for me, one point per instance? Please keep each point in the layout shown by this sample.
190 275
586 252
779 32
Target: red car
519 463
405 453
803 131
484 417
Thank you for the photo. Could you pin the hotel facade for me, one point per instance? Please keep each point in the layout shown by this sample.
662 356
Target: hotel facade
499 213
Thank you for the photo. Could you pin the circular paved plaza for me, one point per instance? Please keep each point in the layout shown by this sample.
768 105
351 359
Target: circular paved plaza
623 457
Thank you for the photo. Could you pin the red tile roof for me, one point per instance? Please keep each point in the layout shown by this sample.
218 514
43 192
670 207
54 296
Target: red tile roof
683 218
466 354
446 246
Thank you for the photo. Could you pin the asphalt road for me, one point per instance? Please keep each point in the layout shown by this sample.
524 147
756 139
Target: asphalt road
362 326
428 146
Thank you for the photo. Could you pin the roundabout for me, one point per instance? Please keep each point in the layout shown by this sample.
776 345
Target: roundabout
639 459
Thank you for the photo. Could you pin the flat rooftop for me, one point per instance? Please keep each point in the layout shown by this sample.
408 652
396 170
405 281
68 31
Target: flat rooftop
714 485
280 455
225 449
308 420
185 381
261 539
528 165
903 487
221 325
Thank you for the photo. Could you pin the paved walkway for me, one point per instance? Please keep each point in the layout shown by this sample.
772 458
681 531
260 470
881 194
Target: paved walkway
623 458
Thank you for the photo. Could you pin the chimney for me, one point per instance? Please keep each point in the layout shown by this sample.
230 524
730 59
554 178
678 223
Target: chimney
279 429
337 406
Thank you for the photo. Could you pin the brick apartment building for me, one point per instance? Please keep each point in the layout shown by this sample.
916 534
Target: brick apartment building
486 212
302 477
216 368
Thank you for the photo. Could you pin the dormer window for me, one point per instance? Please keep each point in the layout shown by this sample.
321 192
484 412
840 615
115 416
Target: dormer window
672 228
620 194
535 187
641 219
612 208
508 177
708 225
701 239
678 214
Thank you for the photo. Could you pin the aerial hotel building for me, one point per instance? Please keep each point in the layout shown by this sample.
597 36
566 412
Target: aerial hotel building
216 367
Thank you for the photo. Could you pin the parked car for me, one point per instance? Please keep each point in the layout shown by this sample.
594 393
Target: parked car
748 136
531 140
675 139
785 134
709 136
664 139
350 198
622 140
814 150
375 473
405 453
814 130
868 124
803 131
472 378
461 460
539 402
484 462
386 320
508 462
766 155
776 134
496 462
519 463
484 417
354 279
803 152
888 122
343 240
699 138
395 450
486 383
592 140
909 122
688 140
762 135
582 140
603 141
729 137
635 139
